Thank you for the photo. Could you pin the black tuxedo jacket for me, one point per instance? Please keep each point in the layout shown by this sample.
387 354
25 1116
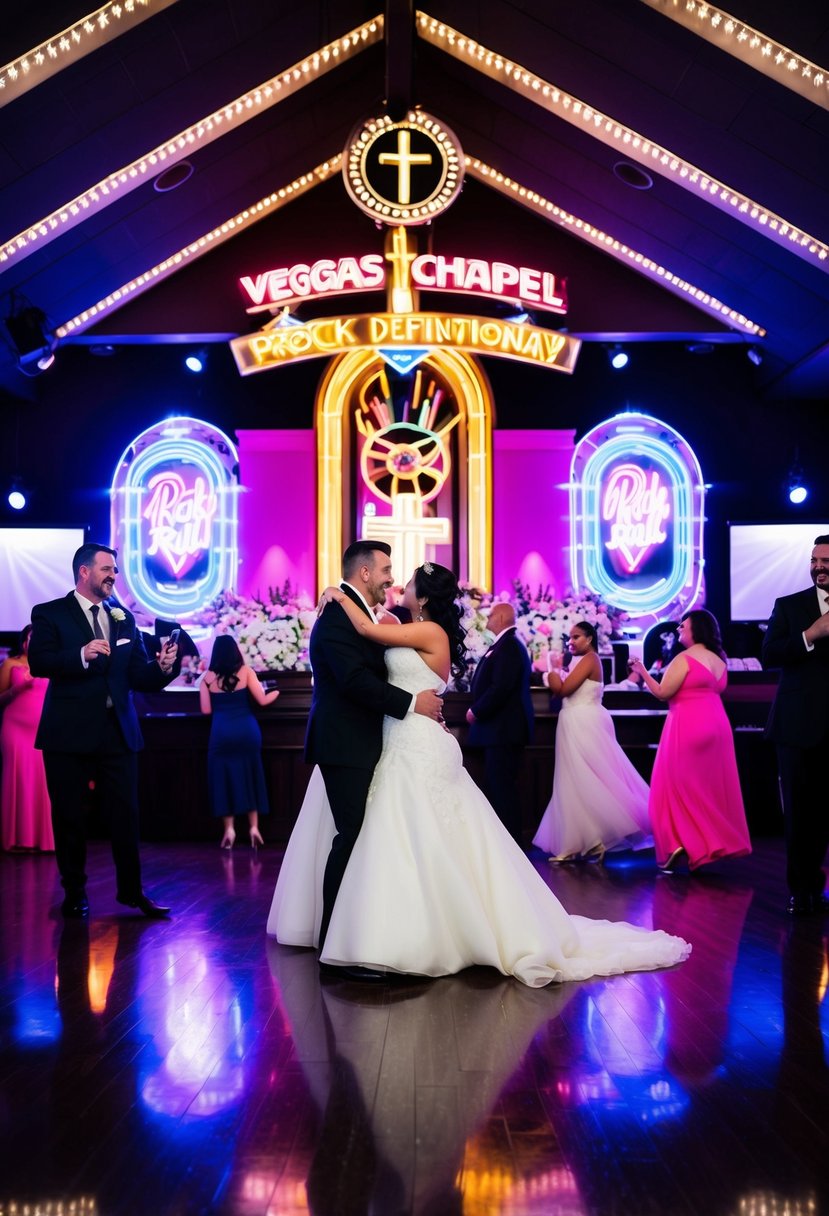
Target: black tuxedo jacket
800 712
75 709
351 693
501 700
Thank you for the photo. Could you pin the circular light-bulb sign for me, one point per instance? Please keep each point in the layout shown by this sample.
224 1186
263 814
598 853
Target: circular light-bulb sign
403 172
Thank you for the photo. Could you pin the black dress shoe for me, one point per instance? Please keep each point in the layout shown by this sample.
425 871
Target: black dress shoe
144 904
75 907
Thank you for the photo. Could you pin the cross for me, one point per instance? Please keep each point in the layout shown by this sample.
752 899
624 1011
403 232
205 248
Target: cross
401 252
404 158
408 532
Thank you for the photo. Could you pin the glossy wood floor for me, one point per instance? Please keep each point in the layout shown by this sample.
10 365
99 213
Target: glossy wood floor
194 1066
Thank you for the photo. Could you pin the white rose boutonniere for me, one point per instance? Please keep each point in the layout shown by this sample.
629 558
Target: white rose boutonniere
118 615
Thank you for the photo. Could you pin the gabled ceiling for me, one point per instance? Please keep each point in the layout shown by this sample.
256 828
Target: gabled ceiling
564 110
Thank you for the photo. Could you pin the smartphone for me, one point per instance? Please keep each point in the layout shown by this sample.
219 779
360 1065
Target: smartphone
173 638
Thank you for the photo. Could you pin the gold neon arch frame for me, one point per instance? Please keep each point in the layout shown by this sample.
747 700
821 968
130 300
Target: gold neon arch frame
472 392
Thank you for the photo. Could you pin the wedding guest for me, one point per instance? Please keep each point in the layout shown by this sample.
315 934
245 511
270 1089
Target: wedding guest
797 642
599 801
696 806
94 658
26 810
235 776
501 716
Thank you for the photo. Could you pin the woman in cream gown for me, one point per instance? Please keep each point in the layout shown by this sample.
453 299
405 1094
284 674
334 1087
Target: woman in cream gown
435 882
599 802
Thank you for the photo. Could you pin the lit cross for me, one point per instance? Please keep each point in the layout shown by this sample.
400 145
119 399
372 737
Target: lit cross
408 532
401 252
404 158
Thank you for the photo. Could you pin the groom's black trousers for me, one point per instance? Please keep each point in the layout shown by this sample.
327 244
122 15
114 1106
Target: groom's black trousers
347 790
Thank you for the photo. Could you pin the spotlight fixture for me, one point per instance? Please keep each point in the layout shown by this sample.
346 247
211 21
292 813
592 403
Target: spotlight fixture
797 491
795 485
33 343
619 358
195 362
17 495
754 356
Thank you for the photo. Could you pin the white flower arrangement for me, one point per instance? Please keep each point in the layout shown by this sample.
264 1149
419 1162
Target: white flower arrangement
118 615
273 633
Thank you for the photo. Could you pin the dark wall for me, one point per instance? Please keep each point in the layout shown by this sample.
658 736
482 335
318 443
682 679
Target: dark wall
66 442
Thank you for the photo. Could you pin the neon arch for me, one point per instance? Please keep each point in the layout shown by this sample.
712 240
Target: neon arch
471 390
637 514
174 516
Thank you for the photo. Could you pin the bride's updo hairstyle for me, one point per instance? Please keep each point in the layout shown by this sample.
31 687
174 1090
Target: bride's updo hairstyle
439 587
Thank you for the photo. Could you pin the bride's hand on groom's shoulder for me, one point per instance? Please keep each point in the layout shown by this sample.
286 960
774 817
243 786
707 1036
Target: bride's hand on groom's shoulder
329 595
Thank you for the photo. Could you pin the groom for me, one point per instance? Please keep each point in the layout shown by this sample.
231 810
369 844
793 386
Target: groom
351 696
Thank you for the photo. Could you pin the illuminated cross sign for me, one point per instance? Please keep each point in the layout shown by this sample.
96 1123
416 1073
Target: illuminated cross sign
403 172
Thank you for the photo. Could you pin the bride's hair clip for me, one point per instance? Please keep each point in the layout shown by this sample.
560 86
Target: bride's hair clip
428 568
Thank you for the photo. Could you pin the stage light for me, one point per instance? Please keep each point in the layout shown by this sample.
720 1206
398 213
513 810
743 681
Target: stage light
195 362
796 489
33 343
619 358
17 496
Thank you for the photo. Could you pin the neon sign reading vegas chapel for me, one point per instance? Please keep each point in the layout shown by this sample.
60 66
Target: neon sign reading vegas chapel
428 272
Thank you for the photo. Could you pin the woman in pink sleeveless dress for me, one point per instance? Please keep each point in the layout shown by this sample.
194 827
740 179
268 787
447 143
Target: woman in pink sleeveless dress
696 807
25 810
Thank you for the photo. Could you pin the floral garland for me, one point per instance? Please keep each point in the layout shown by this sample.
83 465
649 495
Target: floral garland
273 633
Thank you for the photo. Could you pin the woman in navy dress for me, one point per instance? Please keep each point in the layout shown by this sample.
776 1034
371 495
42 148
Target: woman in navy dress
235 777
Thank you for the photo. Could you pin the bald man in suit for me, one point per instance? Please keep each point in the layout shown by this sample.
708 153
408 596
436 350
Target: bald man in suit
500 718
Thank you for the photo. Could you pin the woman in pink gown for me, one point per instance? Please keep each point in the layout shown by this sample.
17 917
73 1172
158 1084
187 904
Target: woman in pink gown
696 807
26 817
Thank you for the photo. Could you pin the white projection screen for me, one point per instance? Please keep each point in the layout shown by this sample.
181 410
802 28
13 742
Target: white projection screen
767 561
35 565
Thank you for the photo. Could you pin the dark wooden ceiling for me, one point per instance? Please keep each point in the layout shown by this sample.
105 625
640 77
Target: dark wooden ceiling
621 57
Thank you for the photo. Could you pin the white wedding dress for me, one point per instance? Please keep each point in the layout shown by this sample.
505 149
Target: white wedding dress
598 798
435 882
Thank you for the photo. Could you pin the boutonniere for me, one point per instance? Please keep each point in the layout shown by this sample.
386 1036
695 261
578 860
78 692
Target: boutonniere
118 615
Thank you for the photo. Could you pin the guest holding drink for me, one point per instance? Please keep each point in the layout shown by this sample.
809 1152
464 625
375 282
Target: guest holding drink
235 777
599 800
696 807
26 810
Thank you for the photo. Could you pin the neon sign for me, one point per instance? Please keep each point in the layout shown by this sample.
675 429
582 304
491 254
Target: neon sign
636 517
278 344
288 285
636 505
174 519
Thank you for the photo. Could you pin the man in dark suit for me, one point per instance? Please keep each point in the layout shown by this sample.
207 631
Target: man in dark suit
797 641
351 696
501 716
94 657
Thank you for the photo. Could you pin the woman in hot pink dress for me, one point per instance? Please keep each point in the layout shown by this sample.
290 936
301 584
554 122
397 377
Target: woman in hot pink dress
25 810
696 807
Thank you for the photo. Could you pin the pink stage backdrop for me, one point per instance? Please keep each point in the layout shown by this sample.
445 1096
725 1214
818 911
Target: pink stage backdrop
531 508
277 511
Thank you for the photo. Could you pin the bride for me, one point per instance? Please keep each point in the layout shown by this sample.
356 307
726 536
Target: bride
435 882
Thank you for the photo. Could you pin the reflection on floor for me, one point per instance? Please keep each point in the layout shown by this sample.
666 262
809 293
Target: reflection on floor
194 1066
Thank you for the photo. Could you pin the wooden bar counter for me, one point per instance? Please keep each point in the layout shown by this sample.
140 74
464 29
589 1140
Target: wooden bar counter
173 766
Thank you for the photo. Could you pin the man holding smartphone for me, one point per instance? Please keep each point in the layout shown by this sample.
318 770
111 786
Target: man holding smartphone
94 657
